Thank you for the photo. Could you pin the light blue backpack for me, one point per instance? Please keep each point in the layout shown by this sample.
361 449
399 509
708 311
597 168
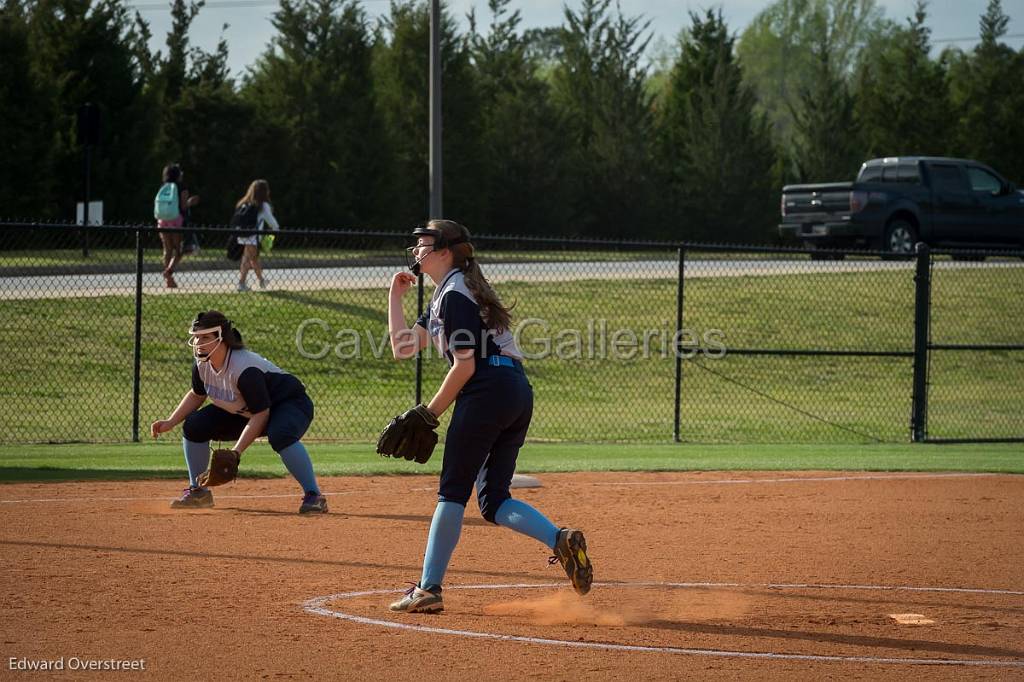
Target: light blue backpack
165 205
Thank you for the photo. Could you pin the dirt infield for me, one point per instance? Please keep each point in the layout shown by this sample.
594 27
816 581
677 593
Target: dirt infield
738 575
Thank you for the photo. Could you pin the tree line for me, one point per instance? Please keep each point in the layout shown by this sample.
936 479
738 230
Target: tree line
568 130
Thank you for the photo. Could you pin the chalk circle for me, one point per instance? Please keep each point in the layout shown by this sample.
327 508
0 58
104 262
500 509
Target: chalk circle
317 606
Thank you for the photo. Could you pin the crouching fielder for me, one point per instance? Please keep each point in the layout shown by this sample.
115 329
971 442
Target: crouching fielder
251 397
493 407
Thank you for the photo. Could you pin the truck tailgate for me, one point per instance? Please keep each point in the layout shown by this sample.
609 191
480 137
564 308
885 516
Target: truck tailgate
824 199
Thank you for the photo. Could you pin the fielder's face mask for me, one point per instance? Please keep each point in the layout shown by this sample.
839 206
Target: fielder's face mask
440 242
201 347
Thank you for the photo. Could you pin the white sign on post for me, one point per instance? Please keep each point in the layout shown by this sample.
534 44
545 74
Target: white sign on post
95 213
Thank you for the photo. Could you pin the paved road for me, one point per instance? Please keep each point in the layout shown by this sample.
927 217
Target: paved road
315 279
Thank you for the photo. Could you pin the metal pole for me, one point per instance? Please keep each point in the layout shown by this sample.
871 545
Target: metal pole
676 431
435 157
436 210
922 303
137 367
85 207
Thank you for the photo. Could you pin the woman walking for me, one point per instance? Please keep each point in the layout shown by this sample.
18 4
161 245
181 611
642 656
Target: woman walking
170 207
253 209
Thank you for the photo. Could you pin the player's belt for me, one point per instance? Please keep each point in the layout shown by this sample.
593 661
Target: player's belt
501 361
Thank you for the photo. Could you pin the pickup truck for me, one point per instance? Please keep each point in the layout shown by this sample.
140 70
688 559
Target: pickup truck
898 201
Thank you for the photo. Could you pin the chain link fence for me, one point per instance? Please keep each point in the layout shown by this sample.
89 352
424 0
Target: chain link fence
625 341
818 350
975 372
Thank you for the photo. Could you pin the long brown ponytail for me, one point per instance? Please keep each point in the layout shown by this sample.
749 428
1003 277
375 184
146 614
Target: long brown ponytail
496 315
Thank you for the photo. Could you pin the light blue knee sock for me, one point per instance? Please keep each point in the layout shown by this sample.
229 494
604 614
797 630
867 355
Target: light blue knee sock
299 465
445 529
197 458
524 519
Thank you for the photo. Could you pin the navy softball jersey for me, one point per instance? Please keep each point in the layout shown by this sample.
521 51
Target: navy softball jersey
492 411
454 323
247 383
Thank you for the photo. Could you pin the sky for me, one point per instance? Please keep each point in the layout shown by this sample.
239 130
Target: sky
249 28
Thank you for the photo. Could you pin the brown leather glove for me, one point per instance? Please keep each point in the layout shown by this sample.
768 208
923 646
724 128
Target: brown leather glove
223 468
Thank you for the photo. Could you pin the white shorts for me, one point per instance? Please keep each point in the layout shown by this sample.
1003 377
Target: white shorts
248 241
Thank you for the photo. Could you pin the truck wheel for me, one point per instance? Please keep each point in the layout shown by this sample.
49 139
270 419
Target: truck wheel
900 238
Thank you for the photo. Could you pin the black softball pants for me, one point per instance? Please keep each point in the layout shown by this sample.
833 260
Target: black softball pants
488 427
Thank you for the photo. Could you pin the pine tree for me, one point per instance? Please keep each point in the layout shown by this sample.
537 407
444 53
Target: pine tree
987 92
902 102
825 133
217 137
778 50
312 90
27 134
716 149
521 136
205 125
599 87
175 66
93 52
401 76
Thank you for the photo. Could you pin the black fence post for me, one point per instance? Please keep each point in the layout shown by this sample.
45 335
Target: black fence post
922 311
137 369
676 435
88 137
85 205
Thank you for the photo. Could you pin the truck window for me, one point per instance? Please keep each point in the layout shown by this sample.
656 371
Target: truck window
983 181
871 174
947 179
909 173
888 173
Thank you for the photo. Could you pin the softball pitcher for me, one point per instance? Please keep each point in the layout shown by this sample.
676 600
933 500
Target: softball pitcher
251 397
493 407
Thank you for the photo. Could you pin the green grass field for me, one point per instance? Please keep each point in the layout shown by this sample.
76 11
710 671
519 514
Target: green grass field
76 462
69 375
211 255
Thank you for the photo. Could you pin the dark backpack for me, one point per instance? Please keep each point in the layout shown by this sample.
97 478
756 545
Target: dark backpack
244 221
234 250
